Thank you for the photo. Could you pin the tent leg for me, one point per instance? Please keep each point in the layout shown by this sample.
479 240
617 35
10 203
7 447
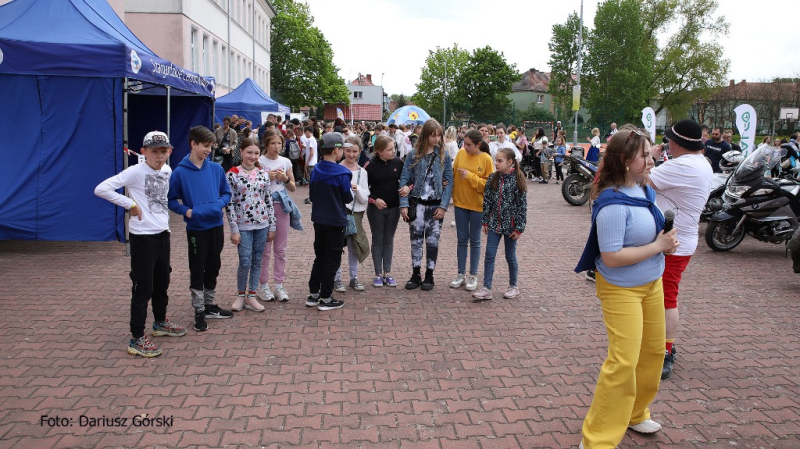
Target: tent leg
169 112
125 161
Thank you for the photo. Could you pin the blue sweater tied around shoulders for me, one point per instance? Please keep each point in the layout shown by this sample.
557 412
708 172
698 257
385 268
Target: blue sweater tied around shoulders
608 197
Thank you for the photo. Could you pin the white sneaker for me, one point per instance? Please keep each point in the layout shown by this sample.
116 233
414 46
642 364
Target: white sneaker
458 281
484 294
472 283
338 286
283 296
453 224
512 292
265 294
646 426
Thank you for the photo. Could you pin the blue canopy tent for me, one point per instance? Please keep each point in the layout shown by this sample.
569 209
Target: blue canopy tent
408 114
67 68
248 101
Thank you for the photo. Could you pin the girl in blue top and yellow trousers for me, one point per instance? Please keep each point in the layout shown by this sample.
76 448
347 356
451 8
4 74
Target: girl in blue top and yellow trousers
626 246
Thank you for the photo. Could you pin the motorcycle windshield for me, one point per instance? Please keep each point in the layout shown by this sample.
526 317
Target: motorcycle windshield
758 163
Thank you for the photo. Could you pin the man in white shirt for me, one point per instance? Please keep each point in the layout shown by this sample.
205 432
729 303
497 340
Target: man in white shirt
309 154
682 184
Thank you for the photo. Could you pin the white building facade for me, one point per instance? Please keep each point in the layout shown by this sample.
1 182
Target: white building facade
226 39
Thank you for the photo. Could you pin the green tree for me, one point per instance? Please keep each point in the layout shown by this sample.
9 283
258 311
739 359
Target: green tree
400 99
691 64
563 48
619 63
438 78
482 88
302 70
536 113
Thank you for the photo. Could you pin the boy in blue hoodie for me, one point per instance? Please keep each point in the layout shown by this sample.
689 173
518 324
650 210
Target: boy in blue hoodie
201 186
330 190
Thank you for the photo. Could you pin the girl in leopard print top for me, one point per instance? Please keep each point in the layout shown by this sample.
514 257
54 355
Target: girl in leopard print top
505 208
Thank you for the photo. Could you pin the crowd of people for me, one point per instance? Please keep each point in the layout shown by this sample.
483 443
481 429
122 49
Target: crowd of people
416 173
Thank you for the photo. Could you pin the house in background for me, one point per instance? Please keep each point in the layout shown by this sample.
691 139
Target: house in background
367 101
531 89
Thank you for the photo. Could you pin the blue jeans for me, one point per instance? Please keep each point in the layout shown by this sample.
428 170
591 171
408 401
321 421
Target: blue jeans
492 242
251 251
468 230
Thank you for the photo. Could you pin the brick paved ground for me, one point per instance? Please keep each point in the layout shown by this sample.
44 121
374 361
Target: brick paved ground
392 369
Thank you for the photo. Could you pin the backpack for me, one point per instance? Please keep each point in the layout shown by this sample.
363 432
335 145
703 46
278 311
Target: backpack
292 150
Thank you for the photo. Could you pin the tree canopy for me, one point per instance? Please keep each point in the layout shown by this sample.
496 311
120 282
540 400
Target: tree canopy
434 85
640 52
301 67
563 48
483 87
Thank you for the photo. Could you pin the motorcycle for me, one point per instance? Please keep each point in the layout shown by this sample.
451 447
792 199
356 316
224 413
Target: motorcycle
762 207
577 186
719 182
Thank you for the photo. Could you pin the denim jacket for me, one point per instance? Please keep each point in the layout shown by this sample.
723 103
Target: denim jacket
290 208
414 174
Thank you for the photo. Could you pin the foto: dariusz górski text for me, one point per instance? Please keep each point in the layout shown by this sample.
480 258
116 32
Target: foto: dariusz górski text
106 421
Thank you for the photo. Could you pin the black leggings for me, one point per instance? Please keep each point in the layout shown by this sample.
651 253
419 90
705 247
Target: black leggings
559 173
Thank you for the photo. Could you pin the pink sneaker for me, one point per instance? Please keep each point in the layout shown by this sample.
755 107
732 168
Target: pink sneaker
484 294
512 292
251 303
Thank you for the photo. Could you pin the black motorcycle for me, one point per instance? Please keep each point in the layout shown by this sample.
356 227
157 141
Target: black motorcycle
719 183
765 208
577 186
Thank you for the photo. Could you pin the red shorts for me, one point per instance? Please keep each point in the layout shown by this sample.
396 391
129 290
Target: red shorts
673 270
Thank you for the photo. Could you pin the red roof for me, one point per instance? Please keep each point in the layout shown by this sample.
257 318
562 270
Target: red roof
371 112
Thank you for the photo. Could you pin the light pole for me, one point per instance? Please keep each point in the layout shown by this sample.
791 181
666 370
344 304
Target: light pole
444 94
382 102
578 78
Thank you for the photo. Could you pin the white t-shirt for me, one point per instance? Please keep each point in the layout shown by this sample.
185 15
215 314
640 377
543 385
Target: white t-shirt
309 143
275 185
148 188
495 146
452 150
595 141
683 185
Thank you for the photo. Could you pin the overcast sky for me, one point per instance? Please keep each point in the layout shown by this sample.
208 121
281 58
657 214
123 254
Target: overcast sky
393 37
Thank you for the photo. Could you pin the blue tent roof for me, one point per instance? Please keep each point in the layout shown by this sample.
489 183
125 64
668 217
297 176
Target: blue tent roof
248 99
82 38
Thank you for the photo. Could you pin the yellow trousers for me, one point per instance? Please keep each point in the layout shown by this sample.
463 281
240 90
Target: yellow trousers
630 376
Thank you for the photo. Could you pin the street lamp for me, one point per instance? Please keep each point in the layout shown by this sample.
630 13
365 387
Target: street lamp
383 104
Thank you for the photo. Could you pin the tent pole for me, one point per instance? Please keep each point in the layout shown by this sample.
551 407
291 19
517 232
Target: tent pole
169 112
127 217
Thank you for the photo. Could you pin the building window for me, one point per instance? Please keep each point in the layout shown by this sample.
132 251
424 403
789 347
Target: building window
192 51
214 61
206 70
358 94
540 98
224 64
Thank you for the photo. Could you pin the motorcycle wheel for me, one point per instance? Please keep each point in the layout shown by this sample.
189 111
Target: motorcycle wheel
573 190
719 237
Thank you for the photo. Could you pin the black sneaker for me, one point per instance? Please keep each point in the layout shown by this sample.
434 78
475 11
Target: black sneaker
213 311
312 301
200 321
414 282
330 304
669 361
674 354
590 275
427 283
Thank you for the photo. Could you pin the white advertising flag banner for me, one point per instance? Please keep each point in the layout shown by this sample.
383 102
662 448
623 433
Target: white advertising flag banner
649 121
746 123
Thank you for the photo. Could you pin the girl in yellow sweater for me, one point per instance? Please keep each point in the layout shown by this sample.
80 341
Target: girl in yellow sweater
472 167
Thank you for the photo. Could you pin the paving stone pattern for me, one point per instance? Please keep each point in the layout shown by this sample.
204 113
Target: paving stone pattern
392 369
